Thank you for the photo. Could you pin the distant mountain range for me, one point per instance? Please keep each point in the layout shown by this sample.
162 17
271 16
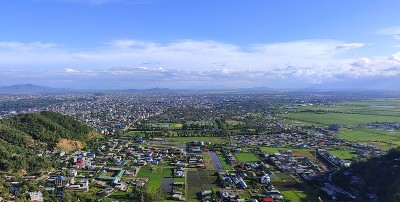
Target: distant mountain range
153 90
29 88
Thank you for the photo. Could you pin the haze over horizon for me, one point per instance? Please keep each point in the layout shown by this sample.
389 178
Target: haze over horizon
177 44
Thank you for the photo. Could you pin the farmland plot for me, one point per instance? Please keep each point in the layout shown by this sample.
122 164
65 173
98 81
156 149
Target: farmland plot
200 180
166 185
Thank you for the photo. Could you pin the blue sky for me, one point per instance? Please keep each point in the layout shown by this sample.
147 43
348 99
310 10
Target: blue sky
121 44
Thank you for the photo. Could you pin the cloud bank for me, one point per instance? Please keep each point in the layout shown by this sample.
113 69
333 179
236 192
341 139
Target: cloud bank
197 62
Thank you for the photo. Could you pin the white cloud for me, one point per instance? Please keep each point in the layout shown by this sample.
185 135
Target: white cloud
395 57
18 46
86 73
348 46
391 31
70 70
314 61
127 43
161 69
186 54
308 48
226 71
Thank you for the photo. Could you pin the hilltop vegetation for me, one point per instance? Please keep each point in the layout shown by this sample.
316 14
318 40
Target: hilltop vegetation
24 136
377 176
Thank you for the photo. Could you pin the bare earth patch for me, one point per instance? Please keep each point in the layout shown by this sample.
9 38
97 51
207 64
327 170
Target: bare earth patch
68 145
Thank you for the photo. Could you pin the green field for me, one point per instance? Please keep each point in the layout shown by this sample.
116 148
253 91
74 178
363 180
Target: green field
179 179
381 138
327 118
175 125
166 125
156 176
354 113
223 162
343 153
380 110
389 107
299 196
377 107
246 157
293 188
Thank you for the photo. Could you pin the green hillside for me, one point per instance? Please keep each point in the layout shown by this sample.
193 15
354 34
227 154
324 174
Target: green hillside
24 136
377 176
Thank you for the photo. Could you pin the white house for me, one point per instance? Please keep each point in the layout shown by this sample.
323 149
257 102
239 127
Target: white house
265 179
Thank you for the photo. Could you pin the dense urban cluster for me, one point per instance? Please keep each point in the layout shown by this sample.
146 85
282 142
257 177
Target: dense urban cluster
194 146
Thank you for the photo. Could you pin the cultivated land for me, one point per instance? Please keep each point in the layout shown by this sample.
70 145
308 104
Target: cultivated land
352 117
155 175
246 157
341 118
386 139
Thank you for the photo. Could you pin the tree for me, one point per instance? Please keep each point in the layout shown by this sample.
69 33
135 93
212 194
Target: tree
150 194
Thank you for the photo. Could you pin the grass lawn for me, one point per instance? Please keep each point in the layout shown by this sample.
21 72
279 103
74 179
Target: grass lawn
156 176
246 157
299 196
223 162
166 125
173 125
274 149
343 154
179 179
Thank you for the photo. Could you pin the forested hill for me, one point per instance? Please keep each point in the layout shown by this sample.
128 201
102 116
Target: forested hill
377 177
24 136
